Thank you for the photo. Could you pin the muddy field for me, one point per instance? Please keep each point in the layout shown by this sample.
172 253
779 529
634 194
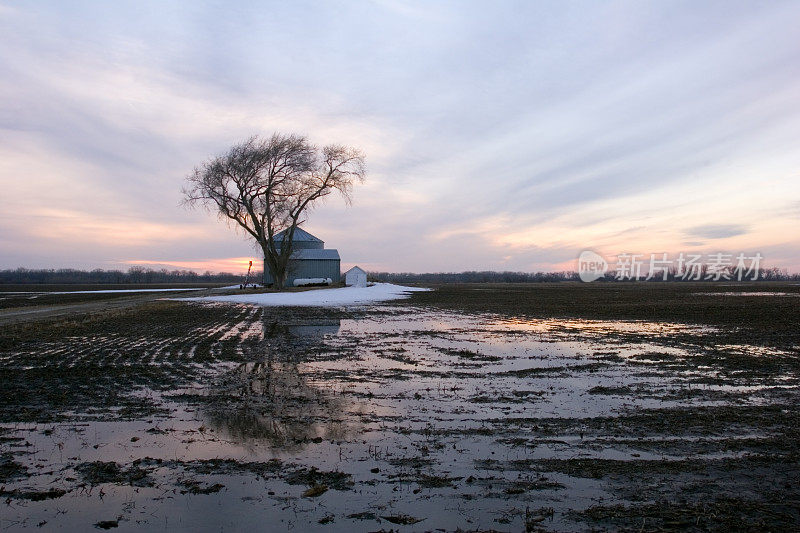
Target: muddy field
32 295
475 408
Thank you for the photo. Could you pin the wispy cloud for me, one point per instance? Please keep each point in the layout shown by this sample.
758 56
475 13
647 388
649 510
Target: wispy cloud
505 137
716 231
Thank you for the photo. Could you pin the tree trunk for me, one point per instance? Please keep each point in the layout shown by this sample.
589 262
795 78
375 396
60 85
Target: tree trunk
278 278
275 269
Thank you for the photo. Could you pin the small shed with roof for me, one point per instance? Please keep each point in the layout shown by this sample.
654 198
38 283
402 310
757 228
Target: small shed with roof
355 277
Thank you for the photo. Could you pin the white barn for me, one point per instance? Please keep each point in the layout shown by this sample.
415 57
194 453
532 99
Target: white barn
355 277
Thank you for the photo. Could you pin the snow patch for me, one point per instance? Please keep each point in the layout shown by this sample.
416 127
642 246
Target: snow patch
344 296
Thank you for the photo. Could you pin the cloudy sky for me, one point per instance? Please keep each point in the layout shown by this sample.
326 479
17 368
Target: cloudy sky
499 135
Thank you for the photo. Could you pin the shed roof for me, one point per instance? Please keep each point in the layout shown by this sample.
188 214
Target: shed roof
358 268
300 235
329 253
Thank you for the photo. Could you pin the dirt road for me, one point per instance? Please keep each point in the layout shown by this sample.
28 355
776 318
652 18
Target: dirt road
93 303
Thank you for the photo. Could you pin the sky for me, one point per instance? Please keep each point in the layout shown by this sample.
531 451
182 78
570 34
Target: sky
498 135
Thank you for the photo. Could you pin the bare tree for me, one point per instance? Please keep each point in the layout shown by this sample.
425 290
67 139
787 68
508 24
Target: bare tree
267 186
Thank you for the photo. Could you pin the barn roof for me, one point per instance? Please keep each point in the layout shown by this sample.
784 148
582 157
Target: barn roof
356 268
316 254
300 235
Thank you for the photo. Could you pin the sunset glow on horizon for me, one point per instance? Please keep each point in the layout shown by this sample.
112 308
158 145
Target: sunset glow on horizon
234 265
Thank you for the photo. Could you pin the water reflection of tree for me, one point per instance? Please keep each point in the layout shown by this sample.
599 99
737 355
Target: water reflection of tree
268 400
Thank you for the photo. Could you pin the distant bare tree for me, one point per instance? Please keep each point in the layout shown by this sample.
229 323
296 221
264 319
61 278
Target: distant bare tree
266 186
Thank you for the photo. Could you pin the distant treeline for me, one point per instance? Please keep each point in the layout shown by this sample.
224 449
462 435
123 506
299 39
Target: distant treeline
132 275
473 277
144 275
764 274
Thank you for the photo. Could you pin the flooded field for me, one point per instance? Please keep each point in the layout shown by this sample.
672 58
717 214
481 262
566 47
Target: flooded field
199 417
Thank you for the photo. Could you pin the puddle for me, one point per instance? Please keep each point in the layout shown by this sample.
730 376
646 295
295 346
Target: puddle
746 293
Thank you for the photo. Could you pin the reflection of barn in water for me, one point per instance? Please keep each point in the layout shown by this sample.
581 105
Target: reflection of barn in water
269 400
305 330
309 330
